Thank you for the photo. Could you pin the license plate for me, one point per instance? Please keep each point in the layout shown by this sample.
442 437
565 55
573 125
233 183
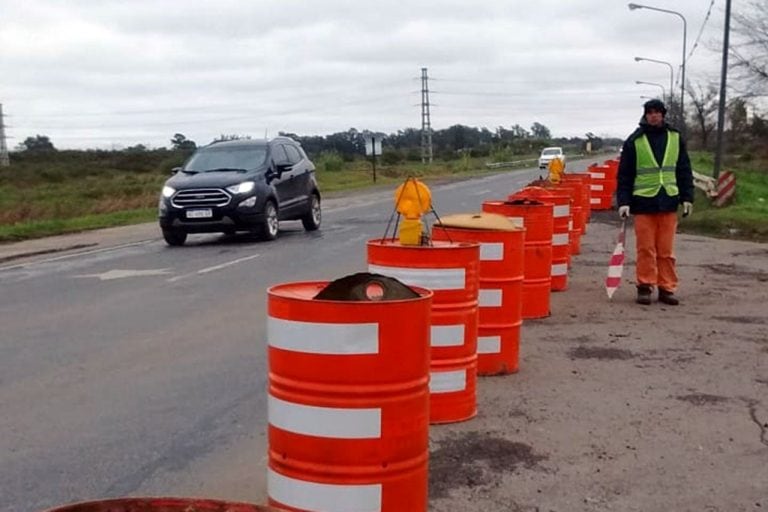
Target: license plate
200 214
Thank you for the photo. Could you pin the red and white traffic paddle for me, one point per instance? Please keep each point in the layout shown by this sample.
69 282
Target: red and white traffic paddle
616 266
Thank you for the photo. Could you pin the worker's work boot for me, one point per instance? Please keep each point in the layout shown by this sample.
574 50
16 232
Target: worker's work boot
643 294
668 297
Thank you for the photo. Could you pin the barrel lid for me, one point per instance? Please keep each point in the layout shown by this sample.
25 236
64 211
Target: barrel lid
480 220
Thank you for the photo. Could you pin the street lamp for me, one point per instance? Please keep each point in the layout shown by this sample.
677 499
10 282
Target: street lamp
632 7
671 73
663 91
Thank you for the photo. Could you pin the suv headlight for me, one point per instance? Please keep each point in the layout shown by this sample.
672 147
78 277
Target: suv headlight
242 188
168 191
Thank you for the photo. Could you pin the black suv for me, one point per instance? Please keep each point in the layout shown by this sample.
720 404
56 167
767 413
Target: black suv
240 185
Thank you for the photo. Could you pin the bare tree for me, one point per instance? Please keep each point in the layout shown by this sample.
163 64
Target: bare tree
750 48
704 102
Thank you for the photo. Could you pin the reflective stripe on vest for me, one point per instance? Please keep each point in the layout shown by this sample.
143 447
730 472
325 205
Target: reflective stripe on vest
650 175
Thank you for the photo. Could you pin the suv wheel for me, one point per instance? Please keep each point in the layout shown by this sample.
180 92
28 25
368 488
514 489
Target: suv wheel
312 219
270 224
174 237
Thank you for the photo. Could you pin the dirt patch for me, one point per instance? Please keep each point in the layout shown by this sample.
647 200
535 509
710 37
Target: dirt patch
476 459
731 269
702 399
600 353
742 319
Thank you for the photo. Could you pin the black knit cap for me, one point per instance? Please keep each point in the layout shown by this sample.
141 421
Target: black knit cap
654 105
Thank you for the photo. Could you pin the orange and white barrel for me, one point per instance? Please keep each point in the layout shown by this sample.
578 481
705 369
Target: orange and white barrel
574 190
348 401
539 225
561 215
603 184
500 294
451 271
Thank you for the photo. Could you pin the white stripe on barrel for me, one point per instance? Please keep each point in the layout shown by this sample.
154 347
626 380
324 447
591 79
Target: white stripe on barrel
304 495
560 269
597 187
447 382
491 251
432 278
447 335
561 210
323 338
490 298
489 344
560 239
330 422
597 175
594 200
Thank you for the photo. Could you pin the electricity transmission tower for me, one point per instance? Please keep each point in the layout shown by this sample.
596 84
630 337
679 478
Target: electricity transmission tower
426 126
4 160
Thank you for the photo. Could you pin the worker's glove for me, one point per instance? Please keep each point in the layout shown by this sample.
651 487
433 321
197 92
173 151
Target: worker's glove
624 212
687 208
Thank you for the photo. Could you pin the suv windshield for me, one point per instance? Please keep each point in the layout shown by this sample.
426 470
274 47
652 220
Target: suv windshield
226 158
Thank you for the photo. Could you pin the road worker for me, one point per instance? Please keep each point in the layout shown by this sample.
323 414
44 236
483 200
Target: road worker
654 178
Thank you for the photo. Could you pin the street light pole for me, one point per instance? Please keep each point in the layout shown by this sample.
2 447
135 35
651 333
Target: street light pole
721 108
663 91
671 73
632 7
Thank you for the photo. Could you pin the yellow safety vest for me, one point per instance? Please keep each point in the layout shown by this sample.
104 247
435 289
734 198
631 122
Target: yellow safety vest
651 176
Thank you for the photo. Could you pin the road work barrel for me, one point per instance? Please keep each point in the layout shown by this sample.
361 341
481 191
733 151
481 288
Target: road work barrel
501 285
539 226
451 271
348 397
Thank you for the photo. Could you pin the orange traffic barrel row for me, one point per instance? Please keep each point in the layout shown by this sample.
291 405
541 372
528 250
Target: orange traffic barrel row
561 215
348 400
451 271
162 504
538 223
500 292
603 184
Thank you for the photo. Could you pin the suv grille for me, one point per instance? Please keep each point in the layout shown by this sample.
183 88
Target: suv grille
200 197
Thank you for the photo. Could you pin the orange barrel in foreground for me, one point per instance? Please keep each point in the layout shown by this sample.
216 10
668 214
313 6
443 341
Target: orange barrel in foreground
539 225
451 271
500 295
162 505
348 401
561 214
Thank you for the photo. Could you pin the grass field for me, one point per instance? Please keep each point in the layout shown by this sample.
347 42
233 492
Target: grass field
746 217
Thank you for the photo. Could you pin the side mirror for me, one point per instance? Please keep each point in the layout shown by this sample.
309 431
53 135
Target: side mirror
175 170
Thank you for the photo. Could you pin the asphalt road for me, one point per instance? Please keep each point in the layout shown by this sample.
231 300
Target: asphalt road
141 369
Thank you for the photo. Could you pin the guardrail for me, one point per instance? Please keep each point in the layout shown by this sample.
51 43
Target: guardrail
499 165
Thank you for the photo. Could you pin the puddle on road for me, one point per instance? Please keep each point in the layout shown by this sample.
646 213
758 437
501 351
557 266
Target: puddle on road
702 399
600 353
475 459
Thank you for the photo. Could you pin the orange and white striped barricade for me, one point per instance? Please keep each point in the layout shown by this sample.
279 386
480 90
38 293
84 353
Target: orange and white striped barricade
348 401
561 217
451 271
603 185
539 226
500 294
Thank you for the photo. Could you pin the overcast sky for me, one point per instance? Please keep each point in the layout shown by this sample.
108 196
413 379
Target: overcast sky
111 74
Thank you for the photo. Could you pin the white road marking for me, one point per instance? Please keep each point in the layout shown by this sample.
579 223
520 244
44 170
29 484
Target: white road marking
481 192
122 274
212 269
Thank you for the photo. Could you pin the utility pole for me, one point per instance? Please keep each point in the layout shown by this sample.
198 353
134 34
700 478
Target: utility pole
426 126
5 161
723 78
